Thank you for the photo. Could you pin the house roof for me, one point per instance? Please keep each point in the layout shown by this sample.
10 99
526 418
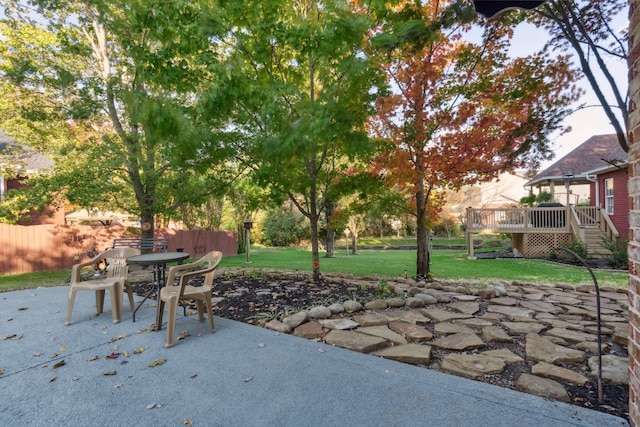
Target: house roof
595 153
29 158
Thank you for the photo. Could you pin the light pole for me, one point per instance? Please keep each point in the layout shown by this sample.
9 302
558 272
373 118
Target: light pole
346 233
247 226
567 177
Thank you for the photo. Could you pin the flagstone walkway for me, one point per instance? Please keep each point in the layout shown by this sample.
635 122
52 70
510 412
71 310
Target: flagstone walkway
545 336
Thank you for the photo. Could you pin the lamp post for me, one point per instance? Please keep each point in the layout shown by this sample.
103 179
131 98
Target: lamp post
247 226
567 177
346 233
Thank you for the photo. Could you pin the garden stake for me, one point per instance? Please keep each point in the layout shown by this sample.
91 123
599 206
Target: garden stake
595 282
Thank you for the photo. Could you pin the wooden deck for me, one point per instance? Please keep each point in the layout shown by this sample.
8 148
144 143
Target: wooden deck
587 223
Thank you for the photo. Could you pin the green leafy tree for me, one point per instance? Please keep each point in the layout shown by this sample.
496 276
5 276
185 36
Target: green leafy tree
299 89
125 75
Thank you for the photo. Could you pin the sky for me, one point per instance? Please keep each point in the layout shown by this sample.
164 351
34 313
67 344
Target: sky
585 122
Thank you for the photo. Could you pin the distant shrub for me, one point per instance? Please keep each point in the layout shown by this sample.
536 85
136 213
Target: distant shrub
282 227
577 246
619 257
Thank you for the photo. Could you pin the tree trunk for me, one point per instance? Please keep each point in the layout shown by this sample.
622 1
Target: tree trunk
314 248
422 233
354 243
331 240
147 227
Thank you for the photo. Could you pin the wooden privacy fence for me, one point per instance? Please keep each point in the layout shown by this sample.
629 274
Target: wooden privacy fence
26 249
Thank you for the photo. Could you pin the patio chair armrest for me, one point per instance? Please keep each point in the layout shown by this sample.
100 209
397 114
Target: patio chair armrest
77 268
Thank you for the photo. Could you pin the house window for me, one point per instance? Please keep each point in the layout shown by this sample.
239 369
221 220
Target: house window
1 187
608 196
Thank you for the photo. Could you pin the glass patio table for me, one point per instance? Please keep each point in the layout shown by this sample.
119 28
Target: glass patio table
159 262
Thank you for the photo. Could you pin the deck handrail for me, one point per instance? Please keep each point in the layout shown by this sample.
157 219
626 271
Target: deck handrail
510 220
608 227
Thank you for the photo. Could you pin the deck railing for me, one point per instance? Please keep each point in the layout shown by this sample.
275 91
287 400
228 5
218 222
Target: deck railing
539 220
518 220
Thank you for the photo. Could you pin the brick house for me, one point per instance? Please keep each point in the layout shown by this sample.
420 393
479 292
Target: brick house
610 191
23 161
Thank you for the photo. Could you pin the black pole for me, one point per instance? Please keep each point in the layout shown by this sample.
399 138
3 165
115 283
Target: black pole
595 282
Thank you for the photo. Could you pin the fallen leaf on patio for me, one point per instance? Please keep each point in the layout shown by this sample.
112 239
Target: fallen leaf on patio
45 365
60 363
10 319
261 345
110 373
112 356
124 362
75 379
138 331
103 328
23 308
157 362
116 347
53 355
117 386
1 371
12 337
3 409
151 405
193 375
92 358
321 350
63 348
53 379
125 353
246 380
38 354
138 351
187 422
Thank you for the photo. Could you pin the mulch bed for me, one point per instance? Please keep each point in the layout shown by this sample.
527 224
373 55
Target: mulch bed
257 298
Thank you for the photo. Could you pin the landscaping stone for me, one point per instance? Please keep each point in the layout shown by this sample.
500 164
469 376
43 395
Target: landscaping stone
465 307
395 302
495 333
320 312
383 332
523 327
376 305
414 354
410 331
440 315
570 335
411 316
355 341
541 349
351 306
472 365
414 302
295 320
309 330
427 299
447 328
462 341
340 324
543 387
548 370
372 319
336 308
615 369
504 355
278 326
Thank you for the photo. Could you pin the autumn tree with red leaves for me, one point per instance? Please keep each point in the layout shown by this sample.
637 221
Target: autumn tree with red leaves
463 113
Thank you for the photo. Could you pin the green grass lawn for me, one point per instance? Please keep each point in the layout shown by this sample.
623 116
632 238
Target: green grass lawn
446 265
